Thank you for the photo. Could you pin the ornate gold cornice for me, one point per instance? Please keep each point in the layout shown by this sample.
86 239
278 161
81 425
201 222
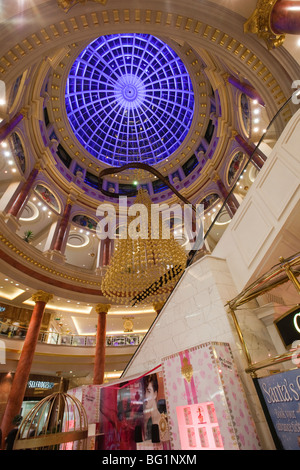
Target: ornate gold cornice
66 5
259 23
41 296
102 308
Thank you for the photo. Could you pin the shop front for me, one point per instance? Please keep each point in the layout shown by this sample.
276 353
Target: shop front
192 401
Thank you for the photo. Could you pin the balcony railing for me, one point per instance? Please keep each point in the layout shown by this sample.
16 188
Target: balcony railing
52 337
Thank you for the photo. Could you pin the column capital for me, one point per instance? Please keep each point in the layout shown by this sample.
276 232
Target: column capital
70 201
216 177
259 23
102 308
41 296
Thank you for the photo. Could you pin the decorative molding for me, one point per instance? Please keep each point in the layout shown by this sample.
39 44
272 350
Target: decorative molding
259 23
102 308
41 296
66 5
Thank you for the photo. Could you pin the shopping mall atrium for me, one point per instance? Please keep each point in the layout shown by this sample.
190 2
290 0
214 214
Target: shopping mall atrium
149 225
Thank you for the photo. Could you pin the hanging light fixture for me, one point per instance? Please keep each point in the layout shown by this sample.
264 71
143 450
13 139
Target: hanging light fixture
145 265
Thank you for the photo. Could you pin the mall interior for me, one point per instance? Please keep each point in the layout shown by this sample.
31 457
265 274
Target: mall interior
115 334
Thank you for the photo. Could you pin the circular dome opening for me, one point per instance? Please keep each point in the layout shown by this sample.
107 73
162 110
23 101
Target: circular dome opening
129 98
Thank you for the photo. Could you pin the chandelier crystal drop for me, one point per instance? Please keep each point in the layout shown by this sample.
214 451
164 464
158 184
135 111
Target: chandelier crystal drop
144 268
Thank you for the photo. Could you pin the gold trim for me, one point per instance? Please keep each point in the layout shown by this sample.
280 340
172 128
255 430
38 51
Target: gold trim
276 276
259 23
102 308
187 370
41 296
66 5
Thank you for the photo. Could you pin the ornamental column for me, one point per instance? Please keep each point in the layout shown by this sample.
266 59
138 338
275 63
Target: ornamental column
18 204
285 17
245 88
258 158
272 20
232 203
22 373
106 249
8 128
99 366
63 226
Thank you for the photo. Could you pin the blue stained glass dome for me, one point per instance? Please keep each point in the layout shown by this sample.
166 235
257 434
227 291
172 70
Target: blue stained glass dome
129 98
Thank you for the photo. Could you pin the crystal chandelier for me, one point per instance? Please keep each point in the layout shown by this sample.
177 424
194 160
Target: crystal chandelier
144 268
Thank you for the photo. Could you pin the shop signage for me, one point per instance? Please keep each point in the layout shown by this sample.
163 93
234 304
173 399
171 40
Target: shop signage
281 393
40 384
288 326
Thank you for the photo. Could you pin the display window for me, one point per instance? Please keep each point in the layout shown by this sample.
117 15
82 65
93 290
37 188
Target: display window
198 427
133 415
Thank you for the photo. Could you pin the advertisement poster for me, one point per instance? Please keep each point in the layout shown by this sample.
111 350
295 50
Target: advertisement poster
281 393
133 415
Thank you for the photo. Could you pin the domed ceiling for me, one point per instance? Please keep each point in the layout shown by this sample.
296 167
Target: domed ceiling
129 98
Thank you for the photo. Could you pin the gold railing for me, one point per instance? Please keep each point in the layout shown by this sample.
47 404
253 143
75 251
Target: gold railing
286 271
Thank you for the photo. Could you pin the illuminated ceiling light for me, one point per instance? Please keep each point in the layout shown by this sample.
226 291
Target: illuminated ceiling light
4 144
256 111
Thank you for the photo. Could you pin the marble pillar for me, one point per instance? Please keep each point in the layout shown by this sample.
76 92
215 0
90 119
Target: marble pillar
232 203
63 226
18 204
258 158
245 88
8 128
99 366
22 373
